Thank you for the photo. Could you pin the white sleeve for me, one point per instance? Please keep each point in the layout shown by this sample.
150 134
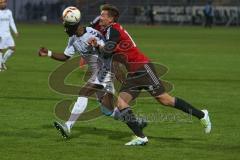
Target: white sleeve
95 21
92 33
69 50
12 23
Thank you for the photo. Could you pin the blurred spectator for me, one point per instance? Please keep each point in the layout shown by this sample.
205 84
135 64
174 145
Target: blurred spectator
208 13
28 10
41 10
150 15
46 11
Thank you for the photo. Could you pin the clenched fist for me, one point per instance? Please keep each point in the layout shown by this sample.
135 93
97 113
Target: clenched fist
93 42
43 52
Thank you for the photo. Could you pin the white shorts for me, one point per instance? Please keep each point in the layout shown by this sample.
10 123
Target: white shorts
6 41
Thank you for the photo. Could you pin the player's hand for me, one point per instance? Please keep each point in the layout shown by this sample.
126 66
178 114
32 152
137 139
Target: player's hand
93 42
17 34
43 52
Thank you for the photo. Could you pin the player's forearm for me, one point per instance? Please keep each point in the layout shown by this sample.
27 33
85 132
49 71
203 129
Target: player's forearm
59 56
44 52
13 26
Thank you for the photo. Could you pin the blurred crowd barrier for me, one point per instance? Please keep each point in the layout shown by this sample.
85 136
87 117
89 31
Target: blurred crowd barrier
222 15
225 12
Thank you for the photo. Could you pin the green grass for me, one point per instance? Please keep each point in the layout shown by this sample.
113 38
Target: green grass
204 66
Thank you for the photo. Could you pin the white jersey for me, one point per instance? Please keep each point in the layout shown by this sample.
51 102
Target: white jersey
80 44
99 67
6 22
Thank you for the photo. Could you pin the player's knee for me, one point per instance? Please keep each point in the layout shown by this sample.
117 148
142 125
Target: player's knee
166 100
121 103
123 100
12 48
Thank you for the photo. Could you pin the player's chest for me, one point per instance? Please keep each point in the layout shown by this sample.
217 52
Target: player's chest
4 16
81 45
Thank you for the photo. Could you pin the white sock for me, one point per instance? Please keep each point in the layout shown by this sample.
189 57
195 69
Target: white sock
1 58
8 54
78 108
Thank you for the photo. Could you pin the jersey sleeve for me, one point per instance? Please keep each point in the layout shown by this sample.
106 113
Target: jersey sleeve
12 23
95 22
69 50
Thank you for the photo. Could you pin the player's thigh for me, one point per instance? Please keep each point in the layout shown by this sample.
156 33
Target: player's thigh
146 78
89 88
2 43
10 43
130 89
156 87
108 101
153 83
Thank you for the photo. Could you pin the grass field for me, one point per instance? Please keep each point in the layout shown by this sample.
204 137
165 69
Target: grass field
204 66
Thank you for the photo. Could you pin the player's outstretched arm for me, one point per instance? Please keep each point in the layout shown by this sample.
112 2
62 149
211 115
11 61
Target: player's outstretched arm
44 52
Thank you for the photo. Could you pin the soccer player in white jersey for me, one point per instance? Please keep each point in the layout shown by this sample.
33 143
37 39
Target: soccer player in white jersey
78 43
100 81
6 40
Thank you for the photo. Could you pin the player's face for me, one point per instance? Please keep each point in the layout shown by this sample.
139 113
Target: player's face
71 29
3 4
105 19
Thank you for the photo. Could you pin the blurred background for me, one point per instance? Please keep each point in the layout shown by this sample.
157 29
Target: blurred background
180 12
203 65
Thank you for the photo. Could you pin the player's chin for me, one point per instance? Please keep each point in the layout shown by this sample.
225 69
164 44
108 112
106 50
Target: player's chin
101 23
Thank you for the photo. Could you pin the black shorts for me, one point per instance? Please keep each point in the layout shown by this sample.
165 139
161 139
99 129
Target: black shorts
145 78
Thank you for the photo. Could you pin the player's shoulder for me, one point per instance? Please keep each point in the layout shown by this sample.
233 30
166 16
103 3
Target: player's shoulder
8 11
90 29
117 26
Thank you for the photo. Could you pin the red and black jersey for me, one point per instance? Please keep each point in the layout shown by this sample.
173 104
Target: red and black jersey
125 50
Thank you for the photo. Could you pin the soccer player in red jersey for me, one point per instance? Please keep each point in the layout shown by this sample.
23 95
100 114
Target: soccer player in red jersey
141 74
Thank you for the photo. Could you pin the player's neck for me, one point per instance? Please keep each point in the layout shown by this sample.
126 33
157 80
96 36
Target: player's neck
3 8
81 30
107 26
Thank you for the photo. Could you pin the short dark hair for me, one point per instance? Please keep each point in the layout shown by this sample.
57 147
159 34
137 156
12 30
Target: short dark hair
112 11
